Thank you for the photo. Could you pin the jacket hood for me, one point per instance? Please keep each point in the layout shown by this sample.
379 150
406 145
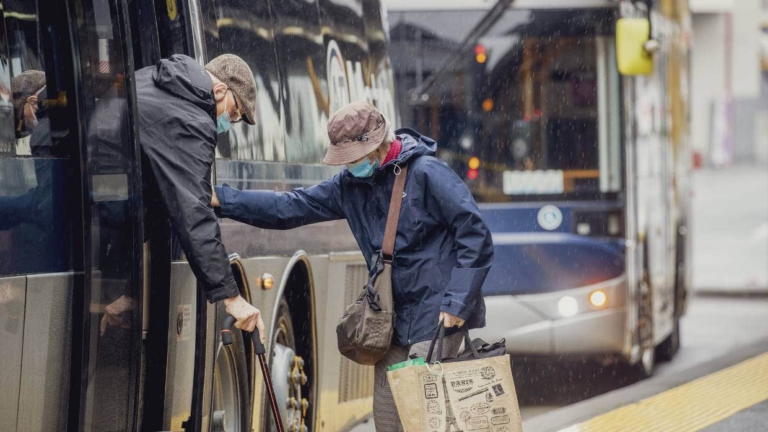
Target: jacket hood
183 77
414 145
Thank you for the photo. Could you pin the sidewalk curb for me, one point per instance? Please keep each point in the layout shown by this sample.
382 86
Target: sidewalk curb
735 293
585 410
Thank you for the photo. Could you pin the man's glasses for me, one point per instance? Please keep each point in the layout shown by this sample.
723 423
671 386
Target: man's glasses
238 112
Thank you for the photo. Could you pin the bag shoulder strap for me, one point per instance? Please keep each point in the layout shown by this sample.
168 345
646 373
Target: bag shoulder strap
390 232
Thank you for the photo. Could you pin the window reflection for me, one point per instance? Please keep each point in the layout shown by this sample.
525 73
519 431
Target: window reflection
379 68
32 127
28 82
245 28
345 39
302 63
524 101
113 208
35 230
36 196
297 91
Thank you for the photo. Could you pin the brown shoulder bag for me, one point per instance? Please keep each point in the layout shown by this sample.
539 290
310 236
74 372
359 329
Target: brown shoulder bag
364 333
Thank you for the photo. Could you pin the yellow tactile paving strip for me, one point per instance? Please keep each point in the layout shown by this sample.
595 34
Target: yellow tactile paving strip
692 406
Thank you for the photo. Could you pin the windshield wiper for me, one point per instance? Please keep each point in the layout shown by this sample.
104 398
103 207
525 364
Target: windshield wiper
479 30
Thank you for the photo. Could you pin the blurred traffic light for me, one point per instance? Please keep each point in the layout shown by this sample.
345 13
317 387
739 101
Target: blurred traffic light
488 105
480 54
474 163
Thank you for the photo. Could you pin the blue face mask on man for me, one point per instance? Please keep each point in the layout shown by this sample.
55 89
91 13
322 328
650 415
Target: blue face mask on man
363 168
223 123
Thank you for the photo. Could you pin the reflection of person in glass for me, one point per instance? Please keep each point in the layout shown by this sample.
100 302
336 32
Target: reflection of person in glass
29 115
26 88
25 96
34 236
182 109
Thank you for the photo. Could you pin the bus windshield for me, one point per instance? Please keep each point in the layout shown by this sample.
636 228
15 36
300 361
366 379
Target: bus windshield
528 111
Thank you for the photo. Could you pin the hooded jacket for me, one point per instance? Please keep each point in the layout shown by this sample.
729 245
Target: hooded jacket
177 121
443 249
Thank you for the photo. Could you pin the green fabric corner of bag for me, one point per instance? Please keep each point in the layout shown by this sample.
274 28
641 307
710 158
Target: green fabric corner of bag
419 361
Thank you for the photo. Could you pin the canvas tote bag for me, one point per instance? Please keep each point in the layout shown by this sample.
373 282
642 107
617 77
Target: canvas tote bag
469 393
364 332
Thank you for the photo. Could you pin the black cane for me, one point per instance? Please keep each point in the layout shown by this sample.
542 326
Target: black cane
258 347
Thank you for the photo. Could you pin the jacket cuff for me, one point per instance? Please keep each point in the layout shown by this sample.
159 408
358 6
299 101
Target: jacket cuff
223 292
225 194
456 308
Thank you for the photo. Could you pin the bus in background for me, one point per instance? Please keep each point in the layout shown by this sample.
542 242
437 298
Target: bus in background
75 241
581 171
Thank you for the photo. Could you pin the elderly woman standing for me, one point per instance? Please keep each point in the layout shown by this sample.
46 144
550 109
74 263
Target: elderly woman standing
443 250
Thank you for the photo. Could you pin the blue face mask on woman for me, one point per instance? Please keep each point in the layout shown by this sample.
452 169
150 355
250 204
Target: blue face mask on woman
363 168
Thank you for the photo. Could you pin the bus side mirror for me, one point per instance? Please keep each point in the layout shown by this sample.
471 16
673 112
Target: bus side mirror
634 47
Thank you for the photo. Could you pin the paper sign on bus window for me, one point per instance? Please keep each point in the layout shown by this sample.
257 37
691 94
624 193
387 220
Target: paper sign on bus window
533 182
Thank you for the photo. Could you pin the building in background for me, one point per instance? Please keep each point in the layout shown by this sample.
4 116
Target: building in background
730 81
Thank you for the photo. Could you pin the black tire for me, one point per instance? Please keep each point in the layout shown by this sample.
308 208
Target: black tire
646 365
671 345
231 385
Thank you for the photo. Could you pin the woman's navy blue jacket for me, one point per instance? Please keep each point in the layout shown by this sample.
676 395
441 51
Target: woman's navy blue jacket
443 249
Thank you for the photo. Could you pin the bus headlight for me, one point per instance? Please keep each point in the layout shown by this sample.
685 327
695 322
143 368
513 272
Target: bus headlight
598 298
568 306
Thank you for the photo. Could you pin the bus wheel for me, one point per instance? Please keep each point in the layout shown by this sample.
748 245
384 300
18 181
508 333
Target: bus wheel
646 365
230 405
671 345
288 377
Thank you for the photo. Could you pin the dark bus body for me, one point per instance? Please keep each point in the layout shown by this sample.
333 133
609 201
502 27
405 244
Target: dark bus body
75 237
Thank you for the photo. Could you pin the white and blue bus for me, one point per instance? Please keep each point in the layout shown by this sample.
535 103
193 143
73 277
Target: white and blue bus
581 172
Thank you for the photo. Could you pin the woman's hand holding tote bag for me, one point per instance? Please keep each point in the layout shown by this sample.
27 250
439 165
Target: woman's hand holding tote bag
475 391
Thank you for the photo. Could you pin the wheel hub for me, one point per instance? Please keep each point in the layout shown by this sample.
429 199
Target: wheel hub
288 377
226 402
219 421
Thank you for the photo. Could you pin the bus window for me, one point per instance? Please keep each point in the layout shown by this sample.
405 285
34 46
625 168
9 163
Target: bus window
379 68
245 28
28 85
40 204
114 205
38 192
347 51
534 104
302 65
173 28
